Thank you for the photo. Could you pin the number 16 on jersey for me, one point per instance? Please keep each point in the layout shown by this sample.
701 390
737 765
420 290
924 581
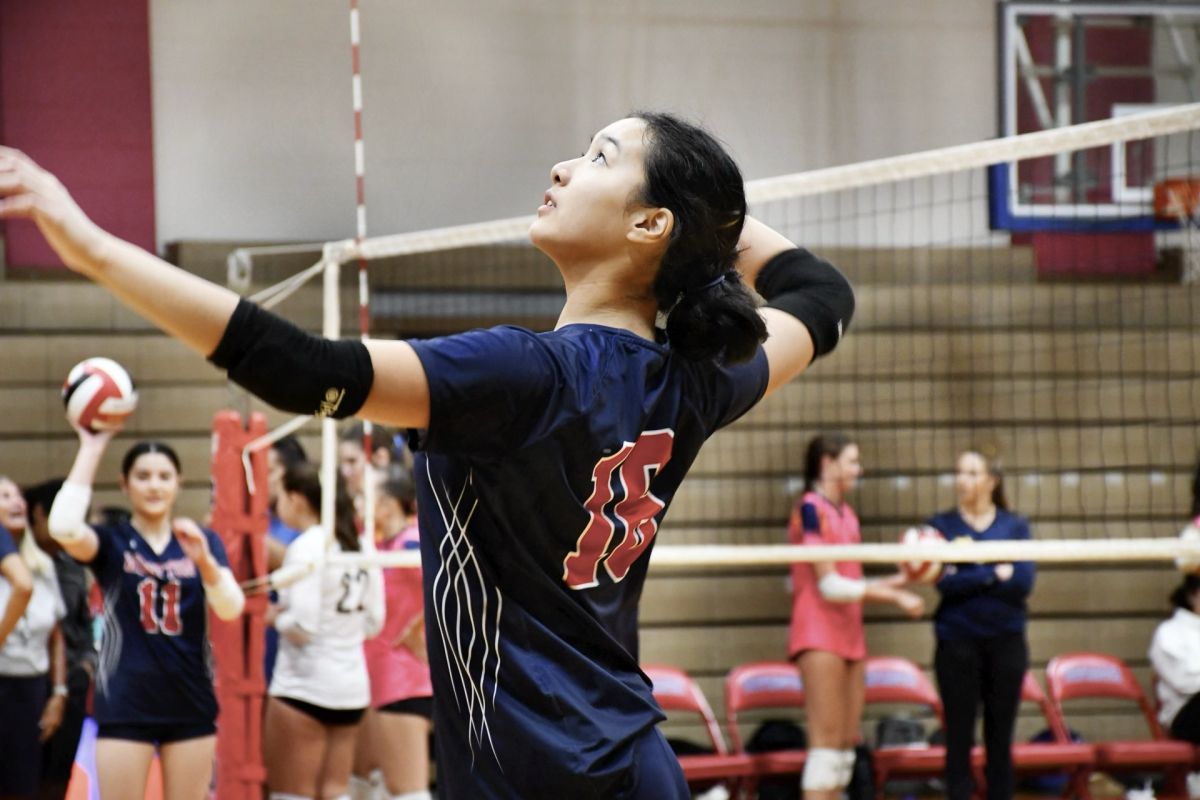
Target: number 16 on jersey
635 464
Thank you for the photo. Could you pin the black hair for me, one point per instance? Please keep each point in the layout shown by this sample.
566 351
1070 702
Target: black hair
42 495
995 468
711 313
1190 585
304 479
382 438
397 483
289 451
830 444
142 448
1196 491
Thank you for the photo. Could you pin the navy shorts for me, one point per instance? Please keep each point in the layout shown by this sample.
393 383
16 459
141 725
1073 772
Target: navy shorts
657 774
22 701
157 733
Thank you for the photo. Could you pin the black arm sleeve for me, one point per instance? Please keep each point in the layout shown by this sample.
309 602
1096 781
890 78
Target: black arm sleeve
811 290
292 369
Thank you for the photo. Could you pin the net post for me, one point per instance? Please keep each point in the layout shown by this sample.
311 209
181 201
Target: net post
239 517
329 465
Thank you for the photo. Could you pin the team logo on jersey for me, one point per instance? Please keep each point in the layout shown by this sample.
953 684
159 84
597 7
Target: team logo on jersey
630 503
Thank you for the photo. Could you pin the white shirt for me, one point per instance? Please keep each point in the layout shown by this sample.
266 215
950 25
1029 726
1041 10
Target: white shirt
26 652
1175 656
336 608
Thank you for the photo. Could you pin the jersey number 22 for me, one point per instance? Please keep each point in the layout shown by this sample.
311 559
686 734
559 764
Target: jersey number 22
635 463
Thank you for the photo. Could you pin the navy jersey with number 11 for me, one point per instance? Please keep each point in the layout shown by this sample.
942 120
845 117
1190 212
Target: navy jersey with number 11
549 462
155 664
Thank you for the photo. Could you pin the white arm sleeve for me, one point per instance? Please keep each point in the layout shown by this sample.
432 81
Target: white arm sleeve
68 514
225 596
837 588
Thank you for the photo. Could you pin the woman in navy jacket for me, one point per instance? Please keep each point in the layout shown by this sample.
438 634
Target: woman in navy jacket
982 654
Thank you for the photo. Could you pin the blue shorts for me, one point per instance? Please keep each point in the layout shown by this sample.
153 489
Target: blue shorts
657 775
156 733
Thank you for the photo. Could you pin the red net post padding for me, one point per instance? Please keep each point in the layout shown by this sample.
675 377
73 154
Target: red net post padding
240 519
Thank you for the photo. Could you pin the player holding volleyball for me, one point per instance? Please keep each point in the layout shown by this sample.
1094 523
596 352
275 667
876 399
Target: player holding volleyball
159 576
545 461
827 639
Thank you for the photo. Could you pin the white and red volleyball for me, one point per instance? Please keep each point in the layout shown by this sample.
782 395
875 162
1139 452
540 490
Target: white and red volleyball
98 394
922 571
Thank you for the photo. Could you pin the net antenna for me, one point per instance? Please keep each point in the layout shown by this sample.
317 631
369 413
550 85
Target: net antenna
364 299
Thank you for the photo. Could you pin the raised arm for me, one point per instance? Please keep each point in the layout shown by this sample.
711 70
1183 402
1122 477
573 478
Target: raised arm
275 360
68 514
809 302
13 570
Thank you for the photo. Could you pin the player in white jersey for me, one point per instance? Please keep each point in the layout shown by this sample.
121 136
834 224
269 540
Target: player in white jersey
320 689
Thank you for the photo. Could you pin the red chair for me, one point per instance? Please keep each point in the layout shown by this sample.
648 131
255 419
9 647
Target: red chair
764 684
899 681
676 691
1076 759
1092 675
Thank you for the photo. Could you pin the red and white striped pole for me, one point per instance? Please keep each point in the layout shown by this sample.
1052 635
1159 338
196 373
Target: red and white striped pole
364 313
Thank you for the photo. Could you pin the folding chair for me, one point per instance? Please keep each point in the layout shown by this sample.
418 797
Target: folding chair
764 684
890 679
1076 759
1094 675
674 690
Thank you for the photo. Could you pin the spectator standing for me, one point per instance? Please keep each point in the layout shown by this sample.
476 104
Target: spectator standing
982 654
33 685
58 754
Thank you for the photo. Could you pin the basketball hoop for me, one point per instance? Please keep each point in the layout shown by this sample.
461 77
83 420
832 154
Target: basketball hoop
1178 199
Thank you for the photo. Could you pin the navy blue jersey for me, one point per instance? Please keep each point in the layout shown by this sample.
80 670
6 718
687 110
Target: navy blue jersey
7 546
549 462
155 663
975 602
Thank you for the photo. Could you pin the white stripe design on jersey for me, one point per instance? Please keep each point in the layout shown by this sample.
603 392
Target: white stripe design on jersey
110 646
455 574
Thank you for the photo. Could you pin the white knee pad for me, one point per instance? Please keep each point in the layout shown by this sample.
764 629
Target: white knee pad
822 770
846 770
361 788
421 795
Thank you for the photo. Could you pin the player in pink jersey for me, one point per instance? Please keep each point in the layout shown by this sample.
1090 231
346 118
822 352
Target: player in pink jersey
827 640
396 734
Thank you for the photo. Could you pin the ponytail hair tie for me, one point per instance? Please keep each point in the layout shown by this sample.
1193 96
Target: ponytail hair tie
714 282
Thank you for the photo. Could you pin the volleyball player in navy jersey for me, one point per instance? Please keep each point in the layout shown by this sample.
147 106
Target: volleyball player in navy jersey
159 576
545 461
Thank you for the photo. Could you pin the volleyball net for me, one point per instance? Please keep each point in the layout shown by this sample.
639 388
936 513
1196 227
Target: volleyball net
1032 297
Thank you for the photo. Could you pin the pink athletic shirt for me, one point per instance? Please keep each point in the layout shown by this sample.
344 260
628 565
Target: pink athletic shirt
397 674
818 624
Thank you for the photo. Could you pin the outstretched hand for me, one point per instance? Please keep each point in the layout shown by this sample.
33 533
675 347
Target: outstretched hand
100 439
195 546
29 192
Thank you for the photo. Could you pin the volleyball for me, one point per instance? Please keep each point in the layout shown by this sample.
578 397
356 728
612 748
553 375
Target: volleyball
98 394
922 571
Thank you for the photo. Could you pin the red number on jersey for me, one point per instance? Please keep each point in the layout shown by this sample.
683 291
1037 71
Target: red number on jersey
169 623
146 596
636 510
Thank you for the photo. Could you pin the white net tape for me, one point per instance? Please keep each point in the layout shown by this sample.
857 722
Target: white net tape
1145 125
1164 549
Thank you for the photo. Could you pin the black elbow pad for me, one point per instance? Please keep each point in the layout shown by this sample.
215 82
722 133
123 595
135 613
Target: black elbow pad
811 290
292 369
